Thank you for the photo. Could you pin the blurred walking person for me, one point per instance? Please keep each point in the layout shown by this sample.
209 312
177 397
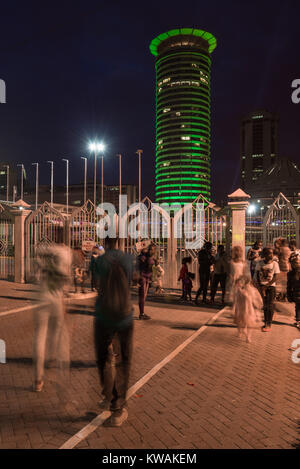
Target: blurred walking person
113 329
157 276
145 264
237 267
54 264
247 303
253 255
293 287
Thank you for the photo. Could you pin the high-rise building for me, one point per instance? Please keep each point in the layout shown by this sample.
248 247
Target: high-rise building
259 146
182 114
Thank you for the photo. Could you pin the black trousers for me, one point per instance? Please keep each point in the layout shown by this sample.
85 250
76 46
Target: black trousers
218 278
113 362
268 300
204 281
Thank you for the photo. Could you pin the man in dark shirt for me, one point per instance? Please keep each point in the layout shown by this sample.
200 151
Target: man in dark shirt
113 330
205 260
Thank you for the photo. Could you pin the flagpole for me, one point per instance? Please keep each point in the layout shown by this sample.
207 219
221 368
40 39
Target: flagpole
51 183
7 181
36 184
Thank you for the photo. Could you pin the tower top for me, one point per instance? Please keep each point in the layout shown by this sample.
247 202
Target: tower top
201 35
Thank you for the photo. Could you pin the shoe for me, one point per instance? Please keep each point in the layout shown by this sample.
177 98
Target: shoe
117 418
38 386
297 324
104 405
144 316
248 340
266 329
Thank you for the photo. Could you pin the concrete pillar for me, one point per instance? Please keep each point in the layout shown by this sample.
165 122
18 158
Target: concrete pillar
20 215
238 203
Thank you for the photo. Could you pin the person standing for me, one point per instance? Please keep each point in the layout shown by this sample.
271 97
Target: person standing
54 263
205 260
293 287
253 255
113 329
266 273
183 273
79 270
145 264
220 273
157 276
92 267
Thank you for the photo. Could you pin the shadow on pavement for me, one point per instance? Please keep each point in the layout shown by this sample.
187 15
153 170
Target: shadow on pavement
73 364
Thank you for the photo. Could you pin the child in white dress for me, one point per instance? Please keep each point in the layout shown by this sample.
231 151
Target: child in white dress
246 305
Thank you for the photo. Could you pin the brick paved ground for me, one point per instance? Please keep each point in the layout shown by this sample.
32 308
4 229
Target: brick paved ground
219 392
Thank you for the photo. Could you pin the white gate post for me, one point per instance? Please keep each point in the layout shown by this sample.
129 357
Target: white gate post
238 203
20 215
171 256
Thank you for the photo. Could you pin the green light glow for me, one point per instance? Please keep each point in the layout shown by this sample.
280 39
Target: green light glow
183 92
212 42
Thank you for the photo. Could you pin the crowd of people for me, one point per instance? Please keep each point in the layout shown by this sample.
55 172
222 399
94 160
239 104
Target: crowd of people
248 286
274 272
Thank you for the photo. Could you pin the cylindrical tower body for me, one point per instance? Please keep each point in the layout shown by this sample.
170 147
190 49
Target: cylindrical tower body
182 114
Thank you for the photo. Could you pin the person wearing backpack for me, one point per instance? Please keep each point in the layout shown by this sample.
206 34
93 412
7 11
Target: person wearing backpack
113 329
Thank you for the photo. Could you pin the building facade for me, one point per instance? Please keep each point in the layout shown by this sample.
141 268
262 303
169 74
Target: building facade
259 146
182 66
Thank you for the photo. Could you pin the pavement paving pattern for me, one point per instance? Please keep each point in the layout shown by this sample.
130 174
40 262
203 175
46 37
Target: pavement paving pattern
219 392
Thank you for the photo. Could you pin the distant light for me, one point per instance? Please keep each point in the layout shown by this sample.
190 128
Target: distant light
95 146
251 209
258 201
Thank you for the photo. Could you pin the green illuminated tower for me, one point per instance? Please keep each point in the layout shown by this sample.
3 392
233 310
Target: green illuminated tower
182 114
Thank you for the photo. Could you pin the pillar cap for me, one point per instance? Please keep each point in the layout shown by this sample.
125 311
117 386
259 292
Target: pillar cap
239 194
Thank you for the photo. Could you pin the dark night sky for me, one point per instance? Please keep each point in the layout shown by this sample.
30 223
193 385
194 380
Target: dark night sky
75 70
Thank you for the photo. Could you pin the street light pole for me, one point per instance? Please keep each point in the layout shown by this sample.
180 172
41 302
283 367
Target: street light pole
102 179
85 173
7 181
22 175
95 177
51 183
139 152
120 173
67 183
36 184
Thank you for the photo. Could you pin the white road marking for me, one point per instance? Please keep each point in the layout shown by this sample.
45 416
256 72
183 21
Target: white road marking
98 421
86 296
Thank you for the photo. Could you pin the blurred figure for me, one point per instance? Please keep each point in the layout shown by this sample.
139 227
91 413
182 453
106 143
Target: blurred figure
92 267
265 277
145 264
293 287
113 329
294 251
237 267
220 273
284 266
183 273
205 260
157 276
246 304
55 265
188 286
79 269
253 255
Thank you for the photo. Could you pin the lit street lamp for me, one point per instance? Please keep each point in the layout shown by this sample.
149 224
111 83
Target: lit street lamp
120 172
96 147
